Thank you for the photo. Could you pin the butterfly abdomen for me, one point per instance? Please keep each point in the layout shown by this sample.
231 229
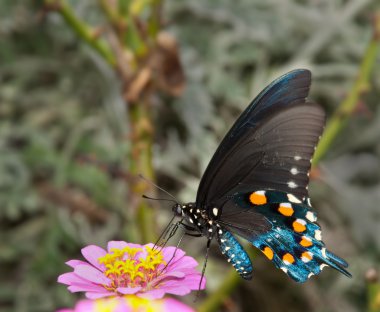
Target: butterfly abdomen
235 253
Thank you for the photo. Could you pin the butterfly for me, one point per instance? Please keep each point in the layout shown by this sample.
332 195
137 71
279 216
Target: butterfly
256 185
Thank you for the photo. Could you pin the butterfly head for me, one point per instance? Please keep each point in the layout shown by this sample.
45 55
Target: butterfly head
177 210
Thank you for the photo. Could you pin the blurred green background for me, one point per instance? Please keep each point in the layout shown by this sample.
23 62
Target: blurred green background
117 88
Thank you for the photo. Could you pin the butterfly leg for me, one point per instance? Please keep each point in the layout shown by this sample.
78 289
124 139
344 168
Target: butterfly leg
209 239
174 253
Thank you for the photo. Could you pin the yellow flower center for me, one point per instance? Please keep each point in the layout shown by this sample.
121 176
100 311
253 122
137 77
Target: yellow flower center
124 269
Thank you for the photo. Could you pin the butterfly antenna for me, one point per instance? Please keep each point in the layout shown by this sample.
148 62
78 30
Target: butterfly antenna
160 188
151 198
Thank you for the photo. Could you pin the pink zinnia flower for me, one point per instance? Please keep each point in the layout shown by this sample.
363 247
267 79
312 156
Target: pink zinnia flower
126 269
129 304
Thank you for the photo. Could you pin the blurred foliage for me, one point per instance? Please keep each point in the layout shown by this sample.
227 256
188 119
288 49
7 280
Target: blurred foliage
63 131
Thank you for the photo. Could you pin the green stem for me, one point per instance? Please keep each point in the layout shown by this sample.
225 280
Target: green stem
373 297
341 116
84 31
110 12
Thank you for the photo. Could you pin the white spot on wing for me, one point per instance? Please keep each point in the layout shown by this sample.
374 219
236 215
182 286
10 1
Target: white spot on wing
324 252
292 184
306 259
294 171
293 199
284 269
308 201
297 157
260 192
215 211
318 235
311 216
301 221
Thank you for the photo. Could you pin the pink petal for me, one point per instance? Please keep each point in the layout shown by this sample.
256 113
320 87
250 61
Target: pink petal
176 275
190 281
171 304
91 274
152 294
88 287
85 306
117 245
70 278
96 295
175 290
128 290
168 253
92 254
74 263
185 263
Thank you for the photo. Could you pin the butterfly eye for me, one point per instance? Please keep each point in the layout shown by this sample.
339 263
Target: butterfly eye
177 209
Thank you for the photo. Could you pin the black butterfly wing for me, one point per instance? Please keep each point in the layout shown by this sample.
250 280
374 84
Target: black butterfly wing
276 133
256 183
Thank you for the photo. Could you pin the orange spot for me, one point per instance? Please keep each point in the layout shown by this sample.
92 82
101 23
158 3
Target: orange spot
288 258
268 253
307 255
257 198
287 211
299 225
306 242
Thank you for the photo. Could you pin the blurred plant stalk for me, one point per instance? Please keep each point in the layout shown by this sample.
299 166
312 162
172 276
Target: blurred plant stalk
146 59
347 108
336 123
373 290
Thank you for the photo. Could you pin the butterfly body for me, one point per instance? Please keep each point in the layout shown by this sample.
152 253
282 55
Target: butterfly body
256 184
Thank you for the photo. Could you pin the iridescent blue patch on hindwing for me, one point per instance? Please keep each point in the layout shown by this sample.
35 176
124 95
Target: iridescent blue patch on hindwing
294 244
235 253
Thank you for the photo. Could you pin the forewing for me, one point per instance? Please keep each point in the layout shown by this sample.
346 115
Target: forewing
290 89
276 155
